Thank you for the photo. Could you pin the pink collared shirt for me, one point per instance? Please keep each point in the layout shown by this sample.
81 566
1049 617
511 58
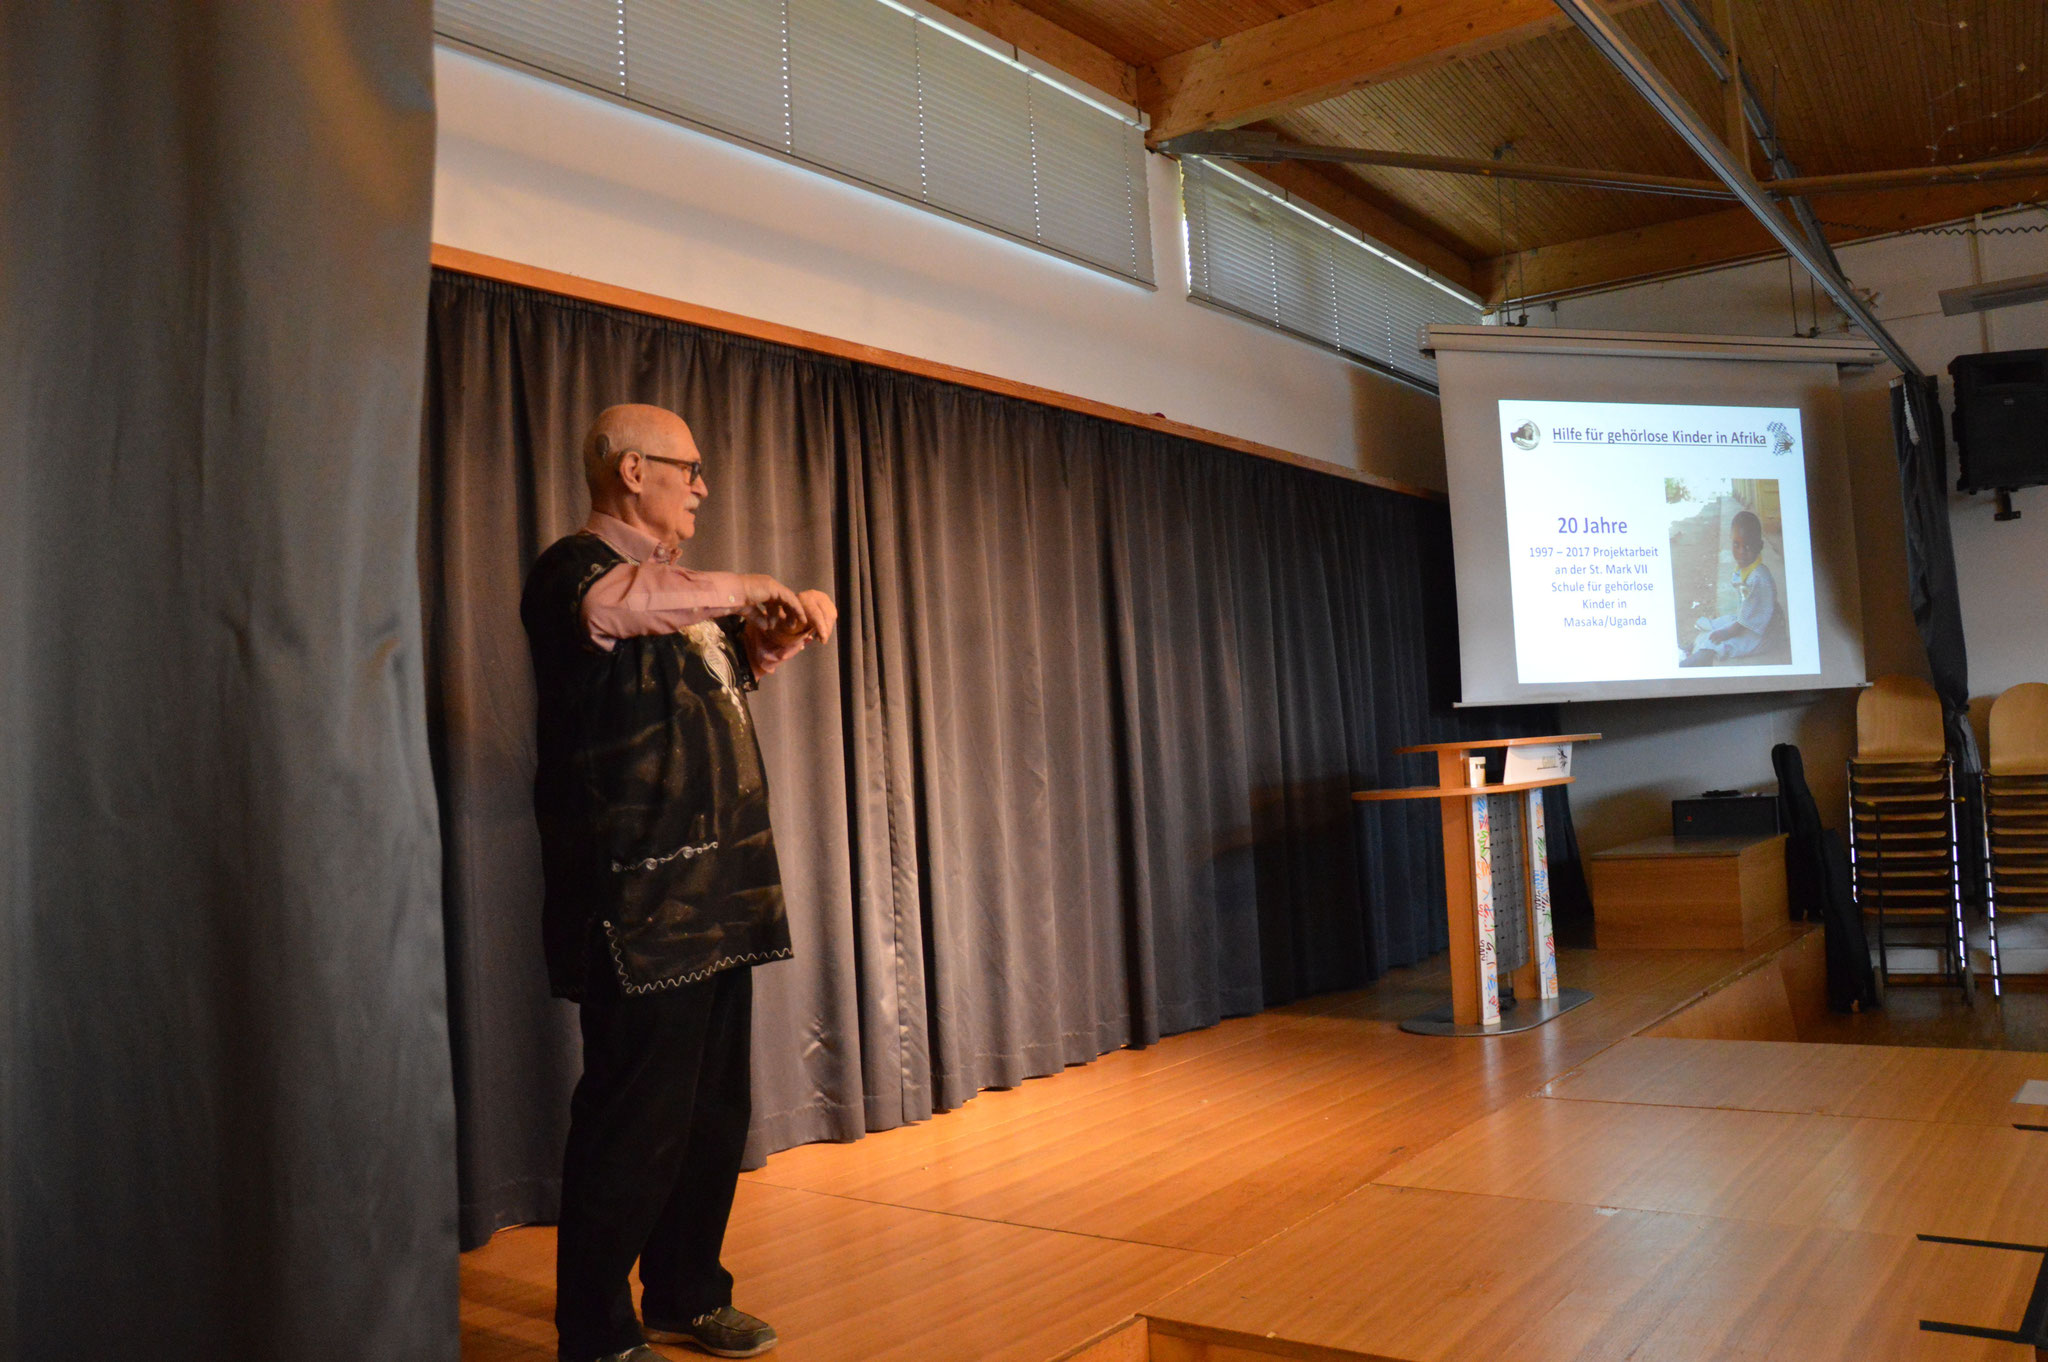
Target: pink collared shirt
651 593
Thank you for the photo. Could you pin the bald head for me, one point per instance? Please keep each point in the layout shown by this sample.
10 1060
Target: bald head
642 465
632 425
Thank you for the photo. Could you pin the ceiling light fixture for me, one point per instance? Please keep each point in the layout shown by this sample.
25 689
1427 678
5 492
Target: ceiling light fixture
1957 302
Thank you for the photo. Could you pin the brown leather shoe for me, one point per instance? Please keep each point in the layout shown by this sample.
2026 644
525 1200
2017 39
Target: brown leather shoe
725 1332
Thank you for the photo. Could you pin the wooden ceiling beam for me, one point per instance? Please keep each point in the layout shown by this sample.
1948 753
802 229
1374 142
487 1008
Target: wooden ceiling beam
1338 46
1029 31
1728 237
1349 200
1260 148
1957 172
1252 147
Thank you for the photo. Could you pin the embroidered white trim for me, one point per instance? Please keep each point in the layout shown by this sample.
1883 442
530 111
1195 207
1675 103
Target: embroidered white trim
688 853
627 986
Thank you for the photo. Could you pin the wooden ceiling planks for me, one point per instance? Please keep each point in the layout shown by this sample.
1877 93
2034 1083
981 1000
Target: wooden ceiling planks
1030 31
1556 100
1854 85
1912 82
1562 268
1147 31
1325 52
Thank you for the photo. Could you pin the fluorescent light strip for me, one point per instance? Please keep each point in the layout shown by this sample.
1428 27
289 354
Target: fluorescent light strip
1993 294
1328 225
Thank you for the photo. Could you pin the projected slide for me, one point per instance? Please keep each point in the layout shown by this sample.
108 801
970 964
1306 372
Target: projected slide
1647 541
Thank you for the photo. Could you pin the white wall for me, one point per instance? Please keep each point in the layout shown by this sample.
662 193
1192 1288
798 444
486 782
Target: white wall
532 171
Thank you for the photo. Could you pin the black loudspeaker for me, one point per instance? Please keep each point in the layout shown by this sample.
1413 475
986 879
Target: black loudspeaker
1725 816
2001 420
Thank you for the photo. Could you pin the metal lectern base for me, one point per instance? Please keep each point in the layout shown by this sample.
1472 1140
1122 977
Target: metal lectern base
1518 1016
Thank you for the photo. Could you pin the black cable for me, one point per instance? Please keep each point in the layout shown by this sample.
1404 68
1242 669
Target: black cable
1500 226
1966 229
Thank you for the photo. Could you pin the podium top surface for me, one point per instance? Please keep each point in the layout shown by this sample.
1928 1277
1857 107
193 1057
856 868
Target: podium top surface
1480 743
1664 848
1458 791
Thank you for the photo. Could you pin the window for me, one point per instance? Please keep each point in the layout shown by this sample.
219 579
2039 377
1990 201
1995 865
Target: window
1255 253
874 90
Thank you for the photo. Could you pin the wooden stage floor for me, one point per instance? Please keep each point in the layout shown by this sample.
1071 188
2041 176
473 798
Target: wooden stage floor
1313 1183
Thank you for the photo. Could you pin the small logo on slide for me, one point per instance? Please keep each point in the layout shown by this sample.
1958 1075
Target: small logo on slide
1527 435
1781 438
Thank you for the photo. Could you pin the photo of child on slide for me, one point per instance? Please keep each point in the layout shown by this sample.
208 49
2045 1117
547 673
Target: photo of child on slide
1727 570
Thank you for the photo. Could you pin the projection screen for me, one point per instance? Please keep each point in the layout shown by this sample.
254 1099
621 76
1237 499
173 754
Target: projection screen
1637 515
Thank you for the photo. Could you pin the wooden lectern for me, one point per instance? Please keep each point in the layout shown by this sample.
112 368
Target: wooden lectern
1469 831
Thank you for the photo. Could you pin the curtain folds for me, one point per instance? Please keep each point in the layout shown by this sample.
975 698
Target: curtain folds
226 1124
1075 774
1931 587
1922 447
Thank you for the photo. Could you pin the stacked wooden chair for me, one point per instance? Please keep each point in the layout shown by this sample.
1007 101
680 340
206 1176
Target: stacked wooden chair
2016 810
1903 847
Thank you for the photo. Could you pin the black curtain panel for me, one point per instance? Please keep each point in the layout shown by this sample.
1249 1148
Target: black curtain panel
1931 557
1932 590
1075 774
226 1123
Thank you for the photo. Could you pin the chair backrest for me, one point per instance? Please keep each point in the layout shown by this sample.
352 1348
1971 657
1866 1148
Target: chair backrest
2019 731
1898 718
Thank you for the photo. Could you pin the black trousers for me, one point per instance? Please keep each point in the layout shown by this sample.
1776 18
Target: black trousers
657 1128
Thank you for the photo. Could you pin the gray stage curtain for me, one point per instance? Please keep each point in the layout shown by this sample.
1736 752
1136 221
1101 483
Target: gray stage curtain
1076 773
226 1123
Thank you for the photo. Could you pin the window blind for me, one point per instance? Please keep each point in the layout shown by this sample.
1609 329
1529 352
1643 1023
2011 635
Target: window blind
580 39
1255 254
873 90
711 61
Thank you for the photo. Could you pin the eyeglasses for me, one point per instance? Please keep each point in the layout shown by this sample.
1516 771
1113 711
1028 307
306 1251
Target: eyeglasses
693 469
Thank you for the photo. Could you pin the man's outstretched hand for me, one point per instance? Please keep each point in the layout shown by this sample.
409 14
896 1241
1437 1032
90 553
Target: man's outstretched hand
819 615
787 616
771 605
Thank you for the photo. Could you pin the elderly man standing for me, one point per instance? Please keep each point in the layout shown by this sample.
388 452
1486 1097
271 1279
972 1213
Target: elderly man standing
662 884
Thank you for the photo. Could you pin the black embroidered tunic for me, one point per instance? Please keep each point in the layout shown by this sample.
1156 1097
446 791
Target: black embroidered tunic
650 794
